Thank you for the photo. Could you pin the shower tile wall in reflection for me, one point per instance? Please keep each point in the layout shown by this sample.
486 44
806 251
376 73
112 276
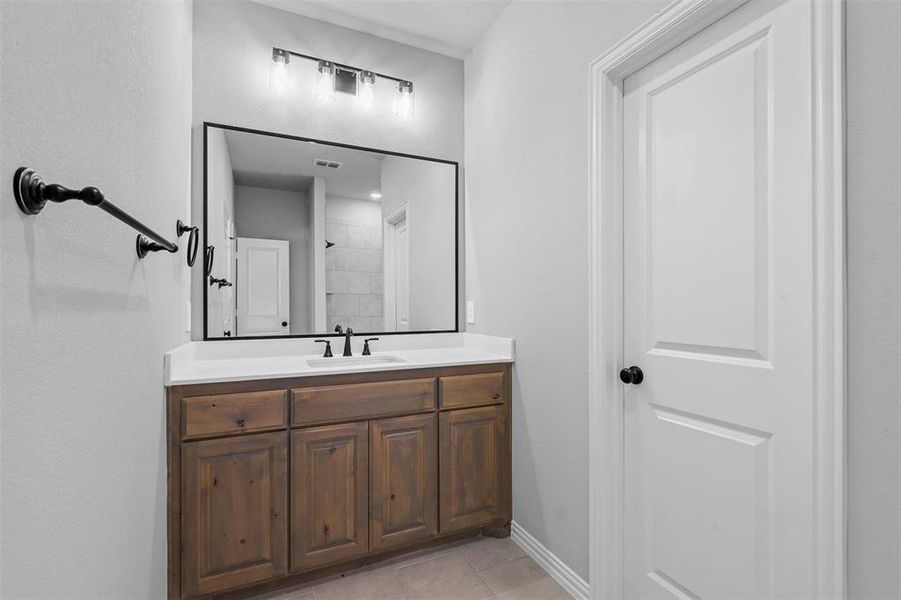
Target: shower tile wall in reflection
353 269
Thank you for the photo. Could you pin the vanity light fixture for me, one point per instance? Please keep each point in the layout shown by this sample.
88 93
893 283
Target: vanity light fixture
335 77
325 82
366 91
405 100
279 78
375 195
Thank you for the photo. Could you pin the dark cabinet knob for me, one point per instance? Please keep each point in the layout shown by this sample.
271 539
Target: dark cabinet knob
284 323
631 375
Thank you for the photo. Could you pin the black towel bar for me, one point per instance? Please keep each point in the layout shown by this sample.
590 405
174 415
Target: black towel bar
32 194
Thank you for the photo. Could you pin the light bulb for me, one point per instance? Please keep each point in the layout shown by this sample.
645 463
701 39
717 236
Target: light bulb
405 100
325 82
366 91
279 78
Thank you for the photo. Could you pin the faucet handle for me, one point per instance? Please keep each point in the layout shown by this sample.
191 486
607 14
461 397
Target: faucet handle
328 348
366 351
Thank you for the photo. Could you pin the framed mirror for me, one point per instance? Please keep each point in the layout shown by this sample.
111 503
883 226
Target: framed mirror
306 235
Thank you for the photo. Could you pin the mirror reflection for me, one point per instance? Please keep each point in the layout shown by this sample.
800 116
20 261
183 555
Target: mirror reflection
309 235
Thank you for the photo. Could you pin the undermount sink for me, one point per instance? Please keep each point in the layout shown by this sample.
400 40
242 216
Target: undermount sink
337 362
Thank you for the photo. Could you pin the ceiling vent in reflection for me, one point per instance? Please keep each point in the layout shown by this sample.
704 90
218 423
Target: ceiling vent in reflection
328 164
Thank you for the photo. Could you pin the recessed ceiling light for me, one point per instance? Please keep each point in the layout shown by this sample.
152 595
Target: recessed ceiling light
375 195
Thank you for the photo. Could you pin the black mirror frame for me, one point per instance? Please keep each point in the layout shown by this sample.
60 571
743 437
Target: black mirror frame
207 125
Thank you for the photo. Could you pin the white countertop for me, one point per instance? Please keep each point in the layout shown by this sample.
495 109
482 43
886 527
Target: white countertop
237 360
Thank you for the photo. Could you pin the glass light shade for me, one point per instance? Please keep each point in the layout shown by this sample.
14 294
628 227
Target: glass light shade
366 90
325 82
279 78
405 101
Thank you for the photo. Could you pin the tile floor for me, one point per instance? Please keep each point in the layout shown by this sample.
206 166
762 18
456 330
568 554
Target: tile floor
482 568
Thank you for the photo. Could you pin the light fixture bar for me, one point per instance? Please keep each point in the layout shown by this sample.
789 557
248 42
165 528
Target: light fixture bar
358 70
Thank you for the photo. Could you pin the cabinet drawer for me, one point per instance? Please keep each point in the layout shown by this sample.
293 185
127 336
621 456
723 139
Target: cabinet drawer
480 389
334 403
233 413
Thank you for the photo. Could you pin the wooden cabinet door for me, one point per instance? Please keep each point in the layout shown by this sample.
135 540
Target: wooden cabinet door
329 494
403 479
234 524
472 467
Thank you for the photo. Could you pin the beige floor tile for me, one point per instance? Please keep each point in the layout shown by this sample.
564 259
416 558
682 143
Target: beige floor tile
414 558
470 570
522 579
376 584
447 577
303 593
543 589
488 552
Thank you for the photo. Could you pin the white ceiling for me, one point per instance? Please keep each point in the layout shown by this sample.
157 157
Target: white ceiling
451 27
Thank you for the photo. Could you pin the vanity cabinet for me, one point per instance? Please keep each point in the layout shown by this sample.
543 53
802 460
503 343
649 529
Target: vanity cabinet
403 481
234 512
277 482
329 493
472 466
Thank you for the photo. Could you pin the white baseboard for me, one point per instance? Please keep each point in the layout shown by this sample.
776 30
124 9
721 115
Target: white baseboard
566 577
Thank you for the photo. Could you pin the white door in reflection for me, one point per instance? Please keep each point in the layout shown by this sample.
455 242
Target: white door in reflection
263 301
397 271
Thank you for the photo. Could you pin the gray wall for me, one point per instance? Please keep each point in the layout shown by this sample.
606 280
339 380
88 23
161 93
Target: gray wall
874 297
281 215
232 51
527 134
93 93
428 190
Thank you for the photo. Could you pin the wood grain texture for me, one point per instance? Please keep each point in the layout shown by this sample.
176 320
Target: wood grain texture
206 416
403 480
459 391
470 469
329 494
336 403
234 516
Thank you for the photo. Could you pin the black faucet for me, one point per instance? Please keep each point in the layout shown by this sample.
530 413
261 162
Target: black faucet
328 348
347 335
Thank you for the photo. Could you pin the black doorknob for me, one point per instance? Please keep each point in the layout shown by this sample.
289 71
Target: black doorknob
631 375
284 323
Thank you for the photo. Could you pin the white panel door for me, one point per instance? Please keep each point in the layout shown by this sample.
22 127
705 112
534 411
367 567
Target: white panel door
397 270
402 275
263 296
718 308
